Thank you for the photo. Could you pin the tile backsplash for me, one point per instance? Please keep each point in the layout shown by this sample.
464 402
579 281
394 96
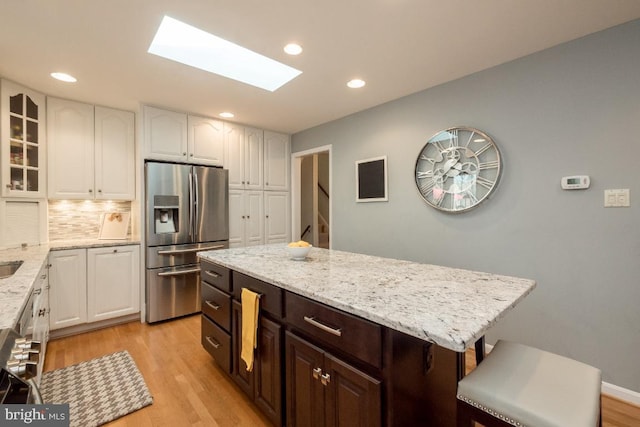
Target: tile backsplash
80 219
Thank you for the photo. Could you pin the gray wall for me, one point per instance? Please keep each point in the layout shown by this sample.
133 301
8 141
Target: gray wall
571 109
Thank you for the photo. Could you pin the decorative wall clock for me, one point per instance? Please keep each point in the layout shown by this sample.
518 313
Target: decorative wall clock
458 169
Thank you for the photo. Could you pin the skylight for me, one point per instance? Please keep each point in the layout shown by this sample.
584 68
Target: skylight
191 46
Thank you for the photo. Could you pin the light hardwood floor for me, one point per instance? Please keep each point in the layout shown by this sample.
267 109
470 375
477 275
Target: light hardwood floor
187 386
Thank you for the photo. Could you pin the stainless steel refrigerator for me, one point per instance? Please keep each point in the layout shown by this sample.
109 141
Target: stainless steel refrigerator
187 210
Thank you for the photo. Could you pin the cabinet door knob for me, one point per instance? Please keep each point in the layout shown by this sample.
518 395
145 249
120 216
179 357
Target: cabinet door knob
191 154
90 191
115 251
267 216
99 191
242 216
325 379
184 154
316 373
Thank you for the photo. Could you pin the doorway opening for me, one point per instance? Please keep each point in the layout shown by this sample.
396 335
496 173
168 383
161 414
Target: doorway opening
311 196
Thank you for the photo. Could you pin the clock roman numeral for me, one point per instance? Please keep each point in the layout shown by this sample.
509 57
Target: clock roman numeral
469 140
427 186
424 175
453 138
489 165
486 183
472 196
483 149
428 159
438 146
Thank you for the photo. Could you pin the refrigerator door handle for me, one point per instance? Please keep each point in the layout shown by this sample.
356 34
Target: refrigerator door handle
196 204
191 204
185 251
180 272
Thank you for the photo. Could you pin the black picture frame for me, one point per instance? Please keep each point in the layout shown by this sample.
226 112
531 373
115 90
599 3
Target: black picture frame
371 180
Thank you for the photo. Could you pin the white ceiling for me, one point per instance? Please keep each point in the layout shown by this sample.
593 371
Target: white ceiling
398 46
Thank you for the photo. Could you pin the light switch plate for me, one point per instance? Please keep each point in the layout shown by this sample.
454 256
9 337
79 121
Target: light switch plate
618 198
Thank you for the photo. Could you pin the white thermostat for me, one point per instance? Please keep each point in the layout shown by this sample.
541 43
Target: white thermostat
577 182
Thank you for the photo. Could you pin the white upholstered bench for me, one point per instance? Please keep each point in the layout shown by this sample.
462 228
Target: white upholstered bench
517 385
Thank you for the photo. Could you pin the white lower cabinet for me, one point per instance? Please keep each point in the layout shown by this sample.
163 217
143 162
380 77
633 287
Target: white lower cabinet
258 217
89 285
276 210
113 282
246 218
68 288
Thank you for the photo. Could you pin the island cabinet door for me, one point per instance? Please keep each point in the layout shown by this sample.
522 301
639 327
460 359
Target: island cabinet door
323 390
305 392
268 370
239 372
264 384
352 397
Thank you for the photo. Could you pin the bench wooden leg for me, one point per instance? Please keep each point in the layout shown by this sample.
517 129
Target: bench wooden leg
480 353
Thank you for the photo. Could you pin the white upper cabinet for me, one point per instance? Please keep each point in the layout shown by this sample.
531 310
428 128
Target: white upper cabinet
243 157
70 130
165 135
178 137
114 154
22 132
253 158
277 153
206 141
91 151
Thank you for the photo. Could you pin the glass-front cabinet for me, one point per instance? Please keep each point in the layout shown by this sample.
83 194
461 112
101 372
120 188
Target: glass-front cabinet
23 159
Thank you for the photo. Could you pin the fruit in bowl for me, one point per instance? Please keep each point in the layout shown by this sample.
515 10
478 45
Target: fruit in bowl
298 250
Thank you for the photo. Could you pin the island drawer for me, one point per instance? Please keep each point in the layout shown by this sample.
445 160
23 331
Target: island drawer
217 305
345 332
215 275
270 296
217 343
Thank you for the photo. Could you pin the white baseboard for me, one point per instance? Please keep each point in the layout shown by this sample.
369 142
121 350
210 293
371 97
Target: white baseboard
612 390
621 393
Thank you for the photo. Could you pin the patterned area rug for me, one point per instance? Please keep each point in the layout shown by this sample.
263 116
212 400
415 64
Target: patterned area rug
97 391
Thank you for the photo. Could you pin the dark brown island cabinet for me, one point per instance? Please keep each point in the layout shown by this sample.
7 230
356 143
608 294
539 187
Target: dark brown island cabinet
318 366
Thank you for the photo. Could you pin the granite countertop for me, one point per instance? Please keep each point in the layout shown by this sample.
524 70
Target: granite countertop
15 290
450 307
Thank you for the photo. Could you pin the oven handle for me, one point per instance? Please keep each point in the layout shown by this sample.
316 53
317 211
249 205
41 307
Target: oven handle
186 251
179 272
35 393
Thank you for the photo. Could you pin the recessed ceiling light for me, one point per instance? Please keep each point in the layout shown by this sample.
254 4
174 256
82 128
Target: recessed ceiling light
64 77
192 46
293 49
356 83
226 115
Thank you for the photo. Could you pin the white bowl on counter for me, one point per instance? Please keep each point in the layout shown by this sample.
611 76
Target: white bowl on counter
298 253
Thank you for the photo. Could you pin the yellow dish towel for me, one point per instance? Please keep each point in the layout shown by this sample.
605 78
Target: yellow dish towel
250 309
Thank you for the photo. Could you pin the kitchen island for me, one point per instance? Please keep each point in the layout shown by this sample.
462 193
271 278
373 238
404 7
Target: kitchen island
403 325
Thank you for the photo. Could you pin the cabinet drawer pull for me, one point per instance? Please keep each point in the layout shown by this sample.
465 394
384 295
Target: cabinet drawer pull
212 273
316 373
314 322
212 305
214 344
